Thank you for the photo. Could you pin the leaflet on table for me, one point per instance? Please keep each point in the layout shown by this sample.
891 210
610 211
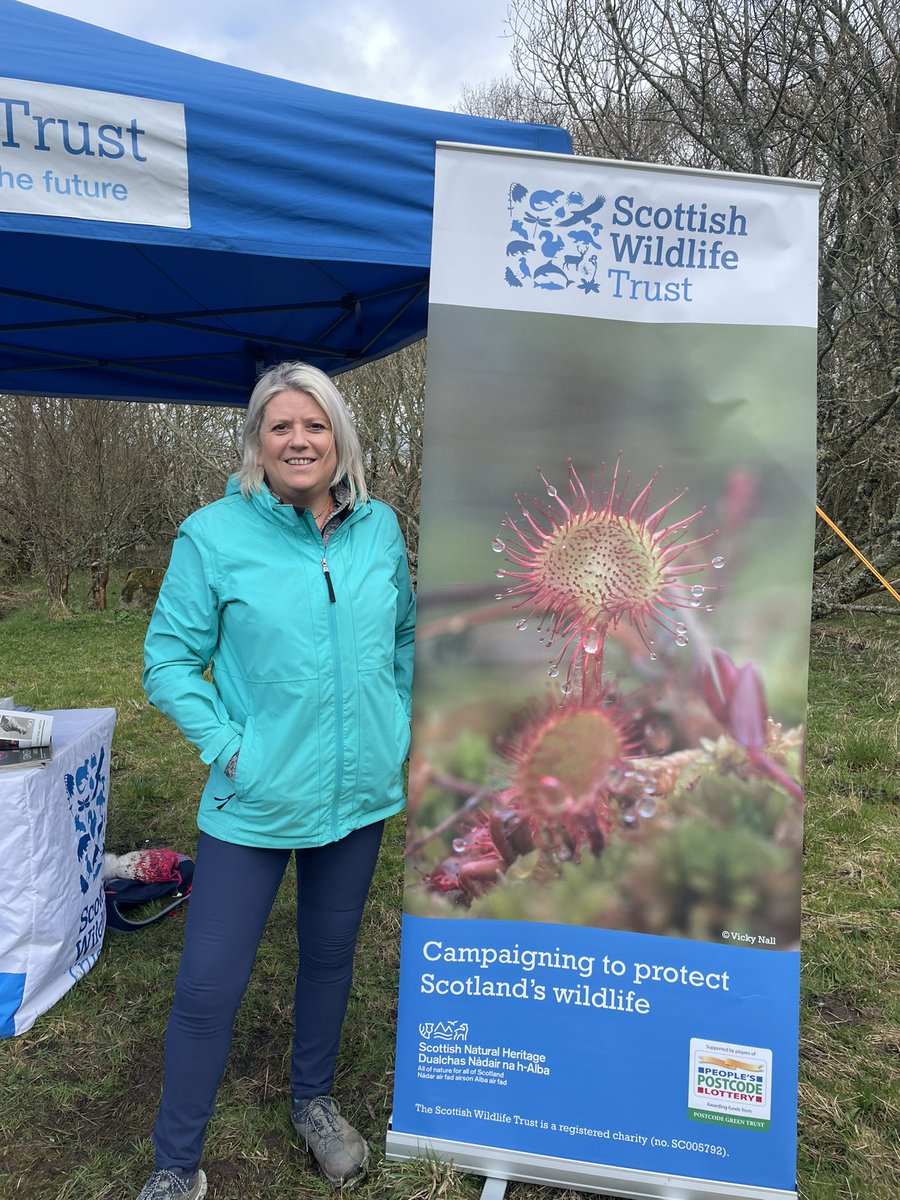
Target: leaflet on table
20 730
26 756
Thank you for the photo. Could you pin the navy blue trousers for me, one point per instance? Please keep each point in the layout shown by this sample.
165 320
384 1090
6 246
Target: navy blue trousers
233 891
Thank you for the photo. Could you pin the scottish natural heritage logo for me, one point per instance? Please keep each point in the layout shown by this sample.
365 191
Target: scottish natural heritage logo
554 240
86 793
444 1031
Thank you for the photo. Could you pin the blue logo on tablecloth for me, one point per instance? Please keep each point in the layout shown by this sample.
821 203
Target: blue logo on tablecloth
12 991
554 239
86 792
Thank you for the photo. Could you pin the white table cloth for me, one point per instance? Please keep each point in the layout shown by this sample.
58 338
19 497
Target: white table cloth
52 829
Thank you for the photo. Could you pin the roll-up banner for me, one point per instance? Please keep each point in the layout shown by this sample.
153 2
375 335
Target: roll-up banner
600 947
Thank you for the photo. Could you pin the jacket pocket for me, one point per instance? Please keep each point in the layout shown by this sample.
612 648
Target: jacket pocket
283 767
244 774
382 738
402 725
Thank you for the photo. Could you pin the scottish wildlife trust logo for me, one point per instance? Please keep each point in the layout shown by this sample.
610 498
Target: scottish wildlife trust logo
86 793
554 239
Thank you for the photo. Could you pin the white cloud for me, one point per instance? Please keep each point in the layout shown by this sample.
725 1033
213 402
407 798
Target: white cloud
408 51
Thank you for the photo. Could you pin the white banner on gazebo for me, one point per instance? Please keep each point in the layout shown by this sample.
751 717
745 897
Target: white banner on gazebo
100 156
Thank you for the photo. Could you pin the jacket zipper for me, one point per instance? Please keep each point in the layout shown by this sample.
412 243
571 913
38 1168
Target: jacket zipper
338 689
327 574
338 707
338 698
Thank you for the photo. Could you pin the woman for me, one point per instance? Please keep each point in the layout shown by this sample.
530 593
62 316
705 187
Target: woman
295 586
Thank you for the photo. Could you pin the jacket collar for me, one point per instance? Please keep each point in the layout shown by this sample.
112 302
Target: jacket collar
270 507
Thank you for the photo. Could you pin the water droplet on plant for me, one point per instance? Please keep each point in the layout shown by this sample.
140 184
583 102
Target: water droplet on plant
653 657
591 643
629 818
710 608
459 844
500 574
718 562
680 628
551 491
520 625
698 589
553 670
646 807
566 688
681 640
498 595
695 604
498 546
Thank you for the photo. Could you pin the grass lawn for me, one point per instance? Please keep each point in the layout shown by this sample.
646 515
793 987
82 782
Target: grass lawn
80 1088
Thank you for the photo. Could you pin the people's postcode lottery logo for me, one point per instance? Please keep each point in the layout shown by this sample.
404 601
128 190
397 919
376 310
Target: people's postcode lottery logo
730 1085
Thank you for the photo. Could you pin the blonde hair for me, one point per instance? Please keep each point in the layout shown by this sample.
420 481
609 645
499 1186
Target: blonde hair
301 377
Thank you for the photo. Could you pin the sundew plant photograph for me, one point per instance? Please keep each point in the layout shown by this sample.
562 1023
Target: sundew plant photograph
611 659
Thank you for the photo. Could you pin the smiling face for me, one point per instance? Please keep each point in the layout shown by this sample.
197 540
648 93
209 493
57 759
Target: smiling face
296 449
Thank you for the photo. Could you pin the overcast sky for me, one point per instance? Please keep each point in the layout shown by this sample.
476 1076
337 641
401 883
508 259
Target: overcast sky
409 51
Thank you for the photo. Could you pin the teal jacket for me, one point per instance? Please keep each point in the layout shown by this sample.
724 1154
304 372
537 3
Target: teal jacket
315 692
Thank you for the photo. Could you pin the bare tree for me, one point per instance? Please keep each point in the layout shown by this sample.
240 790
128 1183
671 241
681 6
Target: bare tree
387 399
78 487
85 484
39 520
196 448
798 88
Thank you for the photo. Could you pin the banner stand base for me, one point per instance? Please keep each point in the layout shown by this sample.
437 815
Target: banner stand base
494 1189
499 1166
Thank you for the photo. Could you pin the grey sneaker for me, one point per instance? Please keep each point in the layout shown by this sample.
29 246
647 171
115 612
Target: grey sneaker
340 1151
169 1185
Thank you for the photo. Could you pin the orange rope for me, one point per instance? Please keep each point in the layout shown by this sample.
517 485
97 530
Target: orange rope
862 558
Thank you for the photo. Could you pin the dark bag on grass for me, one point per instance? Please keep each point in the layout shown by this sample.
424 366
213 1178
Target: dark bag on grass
125 897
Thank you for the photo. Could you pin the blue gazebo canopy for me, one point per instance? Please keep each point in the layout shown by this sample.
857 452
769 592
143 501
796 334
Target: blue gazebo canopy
308 234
